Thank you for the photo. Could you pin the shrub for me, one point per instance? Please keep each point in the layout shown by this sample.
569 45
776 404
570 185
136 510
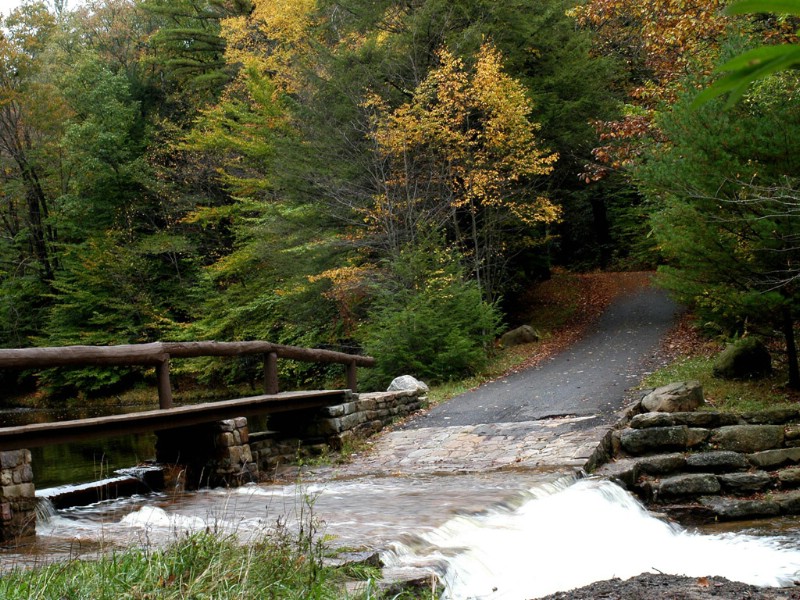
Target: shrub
428 320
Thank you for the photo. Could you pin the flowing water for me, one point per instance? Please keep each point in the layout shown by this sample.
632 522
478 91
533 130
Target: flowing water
509 535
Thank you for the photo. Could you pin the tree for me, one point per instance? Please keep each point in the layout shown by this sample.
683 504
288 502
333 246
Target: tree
189 45
756 63
462 154
724 190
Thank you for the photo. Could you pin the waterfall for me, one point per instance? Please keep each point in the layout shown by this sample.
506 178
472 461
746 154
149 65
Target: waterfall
565 537
45 510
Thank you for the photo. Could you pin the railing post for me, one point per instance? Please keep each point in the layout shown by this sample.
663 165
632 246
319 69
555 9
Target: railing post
271 373
164 387
352 376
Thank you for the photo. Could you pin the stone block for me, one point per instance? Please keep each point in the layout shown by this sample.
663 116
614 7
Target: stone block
789 477
661 463
731 509
247 456
768 459
10 459
717 462
235 455
789 502
240 422
225 439
772 416
791 433
688 485
226 425
748 438
244 435
696 436
653 439
368 404
15 491
652 419
340 410
707 419
6 477
745 482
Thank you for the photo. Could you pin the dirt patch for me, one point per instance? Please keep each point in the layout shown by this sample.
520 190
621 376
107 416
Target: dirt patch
648 586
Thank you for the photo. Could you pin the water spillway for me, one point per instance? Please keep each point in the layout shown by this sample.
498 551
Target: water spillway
493 536
592 530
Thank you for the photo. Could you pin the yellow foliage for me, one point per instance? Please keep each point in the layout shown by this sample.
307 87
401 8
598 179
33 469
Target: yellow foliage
473 126
276 31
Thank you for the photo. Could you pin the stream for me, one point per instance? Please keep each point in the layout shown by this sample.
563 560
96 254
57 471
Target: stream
501 535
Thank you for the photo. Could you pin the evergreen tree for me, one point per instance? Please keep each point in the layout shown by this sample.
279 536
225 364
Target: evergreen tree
724 189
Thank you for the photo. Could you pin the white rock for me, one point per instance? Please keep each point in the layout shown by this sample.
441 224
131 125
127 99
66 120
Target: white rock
407 383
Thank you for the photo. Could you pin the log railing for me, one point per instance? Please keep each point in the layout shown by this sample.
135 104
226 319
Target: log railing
158 354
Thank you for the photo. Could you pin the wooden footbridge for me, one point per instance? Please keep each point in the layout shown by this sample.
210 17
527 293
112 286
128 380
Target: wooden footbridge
168 416
194 434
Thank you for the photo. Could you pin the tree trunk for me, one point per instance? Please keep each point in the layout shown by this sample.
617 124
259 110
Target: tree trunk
791 348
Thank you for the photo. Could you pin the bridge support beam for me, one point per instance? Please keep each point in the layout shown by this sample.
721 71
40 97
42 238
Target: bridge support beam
17 496
213 454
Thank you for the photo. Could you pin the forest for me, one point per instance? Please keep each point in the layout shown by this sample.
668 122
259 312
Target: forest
385 176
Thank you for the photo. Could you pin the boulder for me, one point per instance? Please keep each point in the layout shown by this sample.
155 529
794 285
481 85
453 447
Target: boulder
407 383
521 335
682 396
747 358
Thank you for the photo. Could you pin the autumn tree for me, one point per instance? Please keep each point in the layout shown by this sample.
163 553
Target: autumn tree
462 154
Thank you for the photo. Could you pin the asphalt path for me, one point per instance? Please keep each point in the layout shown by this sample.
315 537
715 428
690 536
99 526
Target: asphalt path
588 379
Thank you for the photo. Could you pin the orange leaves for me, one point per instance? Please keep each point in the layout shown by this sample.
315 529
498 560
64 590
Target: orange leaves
658 39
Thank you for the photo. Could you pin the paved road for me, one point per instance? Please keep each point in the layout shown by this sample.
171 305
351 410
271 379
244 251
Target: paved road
548 418
590 378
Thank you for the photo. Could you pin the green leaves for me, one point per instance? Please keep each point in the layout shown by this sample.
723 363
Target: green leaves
757 63
747 68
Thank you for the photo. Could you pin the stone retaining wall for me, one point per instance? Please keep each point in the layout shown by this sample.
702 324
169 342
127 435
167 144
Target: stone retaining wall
212 454
706 466
300 436
17 496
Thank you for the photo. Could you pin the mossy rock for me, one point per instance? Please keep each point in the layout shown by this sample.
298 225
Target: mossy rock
747 358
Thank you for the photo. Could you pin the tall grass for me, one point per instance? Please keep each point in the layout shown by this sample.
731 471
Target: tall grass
200 565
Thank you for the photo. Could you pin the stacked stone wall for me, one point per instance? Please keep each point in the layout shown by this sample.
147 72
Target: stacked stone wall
708 466
17 496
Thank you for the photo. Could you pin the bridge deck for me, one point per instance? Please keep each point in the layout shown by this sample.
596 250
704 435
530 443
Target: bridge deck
45 434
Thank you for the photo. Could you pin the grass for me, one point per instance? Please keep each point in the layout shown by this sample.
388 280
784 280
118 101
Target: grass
202 565
725 395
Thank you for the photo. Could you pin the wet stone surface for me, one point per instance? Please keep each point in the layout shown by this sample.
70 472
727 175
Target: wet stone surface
564 443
